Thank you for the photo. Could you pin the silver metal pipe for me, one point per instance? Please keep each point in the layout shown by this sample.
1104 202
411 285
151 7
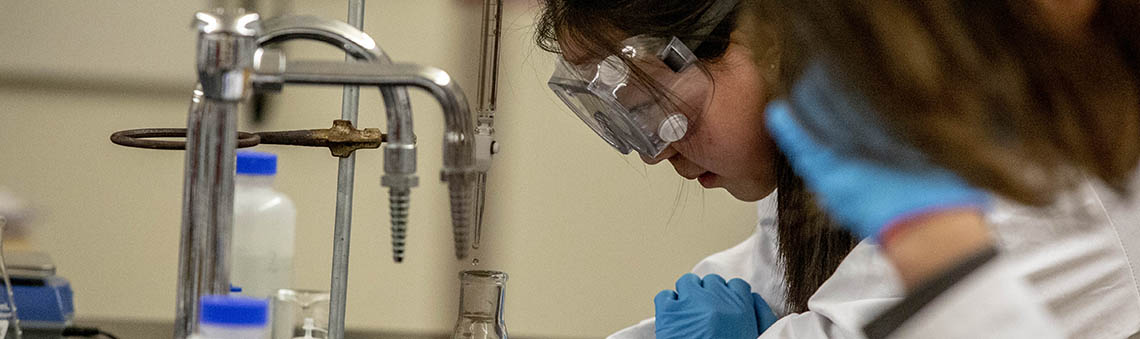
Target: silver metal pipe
350 101
342 236
336 33
345 181
224 61
398 108
457 113
399 152
207 208
458 146
400 149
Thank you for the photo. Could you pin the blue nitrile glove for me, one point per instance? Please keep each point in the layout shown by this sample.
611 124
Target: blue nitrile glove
711 308
865 197
764 315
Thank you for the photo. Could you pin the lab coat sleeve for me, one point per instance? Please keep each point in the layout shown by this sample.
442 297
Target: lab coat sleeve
1066 271
1083 271
1077 256
990 301
863 286
643 330
1062 274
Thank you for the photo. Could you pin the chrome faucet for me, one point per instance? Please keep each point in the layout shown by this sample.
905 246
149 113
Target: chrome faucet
226 44
400 149
459 136
458 150
230 67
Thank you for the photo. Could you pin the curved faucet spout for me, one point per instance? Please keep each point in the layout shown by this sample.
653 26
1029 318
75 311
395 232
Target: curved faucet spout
400 156
336 33
400 148
459 136
457 113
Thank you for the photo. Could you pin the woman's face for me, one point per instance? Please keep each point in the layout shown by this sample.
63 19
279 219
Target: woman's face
726 145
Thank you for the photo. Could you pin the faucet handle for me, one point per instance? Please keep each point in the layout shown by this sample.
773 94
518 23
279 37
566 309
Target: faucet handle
269 65
237 22
226 47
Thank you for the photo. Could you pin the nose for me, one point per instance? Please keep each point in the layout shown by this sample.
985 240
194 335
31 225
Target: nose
667 153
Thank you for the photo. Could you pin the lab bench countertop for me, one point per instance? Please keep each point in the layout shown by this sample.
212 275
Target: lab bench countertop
130 329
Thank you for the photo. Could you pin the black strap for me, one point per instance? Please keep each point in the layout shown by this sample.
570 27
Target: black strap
889 321
712 18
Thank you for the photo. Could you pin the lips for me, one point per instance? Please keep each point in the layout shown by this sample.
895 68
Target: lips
707 179
690 170
690 175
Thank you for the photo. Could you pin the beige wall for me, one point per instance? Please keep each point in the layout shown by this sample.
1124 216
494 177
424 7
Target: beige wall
587 236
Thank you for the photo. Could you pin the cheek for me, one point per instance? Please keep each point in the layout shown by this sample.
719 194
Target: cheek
729 137
734 117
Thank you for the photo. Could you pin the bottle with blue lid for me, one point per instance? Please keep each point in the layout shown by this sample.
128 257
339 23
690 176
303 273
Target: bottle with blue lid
233 317
264 228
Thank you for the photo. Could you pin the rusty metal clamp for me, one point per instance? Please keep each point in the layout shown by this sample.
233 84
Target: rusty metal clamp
141 138
342 138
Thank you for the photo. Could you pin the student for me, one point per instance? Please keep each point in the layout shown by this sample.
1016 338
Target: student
697 101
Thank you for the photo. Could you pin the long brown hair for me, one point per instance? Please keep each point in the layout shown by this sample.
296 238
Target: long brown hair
985 89
810 246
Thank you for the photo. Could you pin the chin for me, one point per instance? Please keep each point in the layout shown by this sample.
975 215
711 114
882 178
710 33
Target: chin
745 194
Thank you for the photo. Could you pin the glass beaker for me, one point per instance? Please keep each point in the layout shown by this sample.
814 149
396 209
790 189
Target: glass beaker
8 308
481 305
300 314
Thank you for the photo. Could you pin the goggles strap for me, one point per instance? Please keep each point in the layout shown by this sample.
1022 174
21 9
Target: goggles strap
712 18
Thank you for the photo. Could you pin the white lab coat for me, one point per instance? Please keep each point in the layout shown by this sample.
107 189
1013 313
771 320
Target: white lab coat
1066 271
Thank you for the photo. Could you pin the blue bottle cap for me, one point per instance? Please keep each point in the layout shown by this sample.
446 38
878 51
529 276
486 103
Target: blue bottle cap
234 311
256 163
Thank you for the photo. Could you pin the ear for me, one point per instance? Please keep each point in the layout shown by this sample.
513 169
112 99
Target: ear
1069 19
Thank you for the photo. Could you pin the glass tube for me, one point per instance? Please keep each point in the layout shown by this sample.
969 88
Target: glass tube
481 305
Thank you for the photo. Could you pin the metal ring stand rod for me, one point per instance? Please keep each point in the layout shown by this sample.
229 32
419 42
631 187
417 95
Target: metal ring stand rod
346 172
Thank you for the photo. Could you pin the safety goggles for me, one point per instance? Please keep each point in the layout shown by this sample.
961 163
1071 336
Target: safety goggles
645 114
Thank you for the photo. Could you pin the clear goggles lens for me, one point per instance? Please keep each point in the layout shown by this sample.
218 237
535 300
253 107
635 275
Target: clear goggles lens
644 115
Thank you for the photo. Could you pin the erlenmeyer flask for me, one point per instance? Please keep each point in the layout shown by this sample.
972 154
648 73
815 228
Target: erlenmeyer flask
481 305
